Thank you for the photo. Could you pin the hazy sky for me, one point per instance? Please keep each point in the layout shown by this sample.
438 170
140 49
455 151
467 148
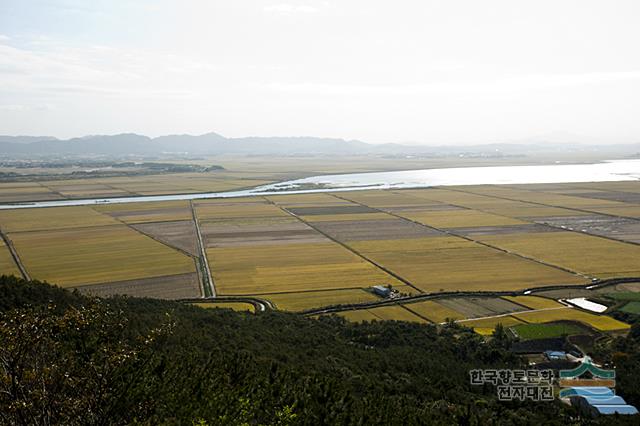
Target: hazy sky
381 71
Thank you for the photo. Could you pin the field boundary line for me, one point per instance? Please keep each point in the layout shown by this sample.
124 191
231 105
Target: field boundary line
417 314
561 207
513 314
14 255
209 286
453 234
330 290
452 294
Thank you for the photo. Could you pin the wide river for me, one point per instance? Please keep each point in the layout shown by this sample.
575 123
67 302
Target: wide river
614 170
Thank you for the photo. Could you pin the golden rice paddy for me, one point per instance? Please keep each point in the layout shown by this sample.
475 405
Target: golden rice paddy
69 257
583 253
292 267
315 299
451 263
52 218
486 326
7 264
599 322
434 311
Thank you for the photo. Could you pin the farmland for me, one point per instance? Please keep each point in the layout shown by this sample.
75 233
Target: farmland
312 299
434 311
631 308
72 257
486 326
545 331
236 306
7 264
305 251
86 248
599 322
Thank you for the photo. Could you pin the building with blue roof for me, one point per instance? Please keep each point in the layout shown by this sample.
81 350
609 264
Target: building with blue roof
596 401
596 391
614 409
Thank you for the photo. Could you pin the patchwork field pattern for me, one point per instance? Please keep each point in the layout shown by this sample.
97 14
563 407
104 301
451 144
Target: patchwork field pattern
311 250
256 247
534 302
95 252
454 264
163 211
599 322
487 326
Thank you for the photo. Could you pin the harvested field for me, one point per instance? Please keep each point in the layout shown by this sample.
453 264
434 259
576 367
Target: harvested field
472 307
633 287
621 211
365 230
71 257
236 306
252 232
23 197
164 287
148 212
534 302
397 313
52 218
611 227
180 235
565 293
546 198
530 212
290 268
460 219
599 322
15 192
318 199
451 263
624 197
345 217
489 204
330 210
586 254
500 230
225 209
316 299
486 326
388 199
434 311
7 264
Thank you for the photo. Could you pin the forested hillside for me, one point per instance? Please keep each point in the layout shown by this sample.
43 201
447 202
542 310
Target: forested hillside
69 359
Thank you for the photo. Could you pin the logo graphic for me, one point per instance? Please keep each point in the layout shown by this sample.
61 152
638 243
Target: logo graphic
585 375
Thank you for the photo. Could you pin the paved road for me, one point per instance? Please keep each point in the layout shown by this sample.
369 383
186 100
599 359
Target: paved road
210 286
430 296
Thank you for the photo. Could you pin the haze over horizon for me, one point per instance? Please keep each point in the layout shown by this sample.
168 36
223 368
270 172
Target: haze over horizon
432 73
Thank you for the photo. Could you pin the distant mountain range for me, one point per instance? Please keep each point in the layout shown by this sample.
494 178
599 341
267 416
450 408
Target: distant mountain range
215 144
